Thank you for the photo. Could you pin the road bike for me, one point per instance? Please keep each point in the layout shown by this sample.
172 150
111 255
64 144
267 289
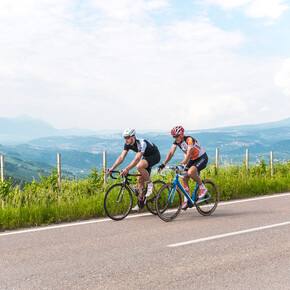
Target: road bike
118 199
169 198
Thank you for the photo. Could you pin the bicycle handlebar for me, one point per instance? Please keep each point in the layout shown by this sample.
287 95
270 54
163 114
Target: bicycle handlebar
174 169
111 175
118 172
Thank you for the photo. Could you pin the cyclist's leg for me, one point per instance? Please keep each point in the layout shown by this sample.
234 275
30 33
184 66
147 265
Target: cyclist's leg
141 181
185 184
185 180
188 169
199 164
193 173
151 161
196 166
142 168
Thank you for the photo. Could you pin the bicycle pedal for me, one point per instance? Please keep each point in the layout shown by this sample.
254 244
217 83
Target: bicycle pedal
201 200
141 204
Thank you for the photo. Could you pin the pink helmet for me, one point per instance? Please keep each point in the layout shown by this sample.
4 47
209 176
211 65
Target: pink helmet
177 131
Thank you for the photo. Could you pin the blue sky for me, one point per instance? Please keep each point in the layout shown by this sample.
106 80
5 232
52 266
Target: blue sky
151 65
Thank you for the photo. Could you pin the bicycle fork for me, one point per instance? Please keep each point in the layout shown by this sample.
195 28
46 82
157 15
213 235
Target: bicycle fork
121 194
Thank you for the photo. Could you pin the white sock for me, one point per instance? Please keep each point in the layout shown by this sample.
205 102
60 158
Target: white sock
150 182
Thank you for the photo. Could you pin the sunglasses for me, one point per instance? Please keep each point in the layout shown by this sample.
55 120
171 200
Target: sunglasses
176 136
128 137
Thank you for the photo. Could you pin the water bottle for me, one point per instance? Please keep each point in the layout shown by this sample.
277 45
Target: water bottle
136 189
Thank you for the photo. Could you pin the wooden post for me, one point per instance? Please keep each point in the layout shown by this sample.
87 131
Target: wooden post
217 159
105 166
2 169
271 163
2 177
247 159
59 169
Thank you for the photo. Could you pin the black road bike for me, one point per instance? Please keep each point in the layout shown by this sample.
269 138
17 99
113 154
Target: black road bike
118 199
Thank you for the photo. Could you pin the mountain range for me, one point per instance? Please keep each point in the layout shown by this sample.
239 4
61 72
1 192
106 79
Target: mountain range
30 146
23 128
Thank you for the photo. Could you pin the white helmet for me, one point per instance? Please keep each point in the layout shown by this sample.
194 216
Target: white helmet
129 132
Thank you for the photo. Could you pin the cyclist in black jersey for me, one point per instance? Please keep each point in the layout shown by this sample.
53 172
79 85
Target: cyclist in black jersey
145 149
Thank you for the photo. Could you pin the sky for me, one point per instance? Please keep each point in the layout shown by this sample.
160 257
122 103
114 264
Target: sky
146 64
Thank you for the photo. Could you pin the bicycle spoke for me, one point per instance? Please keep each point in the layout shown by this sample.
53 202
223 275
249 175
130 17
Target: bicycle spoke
118 202
150 202
168 202
208 204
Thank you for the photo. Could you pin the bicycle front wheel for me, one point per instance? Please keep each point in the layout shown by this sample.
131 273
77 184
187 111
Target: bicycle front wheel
209 203
150 202
118 201
168 202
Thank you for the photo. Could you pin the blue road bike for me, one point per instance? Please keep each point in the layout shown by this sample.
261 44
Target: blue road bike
169 198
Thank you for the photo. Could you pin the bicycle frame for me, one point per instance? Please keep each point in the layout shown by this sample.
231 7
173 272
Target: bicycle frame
191 200
125 181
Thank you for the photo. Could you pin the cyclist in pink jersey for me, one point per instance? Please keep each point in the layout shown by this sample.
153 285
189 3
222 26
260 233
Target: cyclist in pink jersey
194 161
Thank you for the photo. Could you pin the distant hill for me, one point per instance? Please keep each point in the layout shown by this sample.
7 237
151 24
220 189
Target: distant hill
74 162
20 170
81 153
23 128
254 127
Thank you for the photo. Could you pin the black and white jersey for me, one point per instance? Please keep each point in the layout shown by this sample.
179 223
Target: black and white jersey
142 145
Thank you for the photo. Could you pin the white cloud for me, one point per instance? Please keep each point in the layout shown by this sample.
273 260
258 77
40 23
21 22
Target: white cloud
107 64
267 8
283 77
272 9
264 109
127 9
229 4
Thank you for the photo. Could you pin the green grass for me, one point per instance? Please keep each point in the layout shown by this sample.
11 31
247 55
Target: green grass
42 203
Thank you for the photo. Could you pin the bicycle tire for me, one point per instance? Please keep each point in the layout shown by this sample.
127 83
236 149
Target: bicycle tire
117 204
208 206
150 202
168 209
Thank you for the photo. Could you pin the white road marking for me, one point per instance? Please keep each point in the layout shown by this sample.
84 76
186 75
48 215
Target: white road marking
253 198
45 228
65 225
228 235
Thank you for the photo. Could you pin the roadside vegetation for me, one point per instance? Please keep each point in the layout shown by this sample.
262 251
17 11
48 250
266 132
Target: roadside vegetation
42 202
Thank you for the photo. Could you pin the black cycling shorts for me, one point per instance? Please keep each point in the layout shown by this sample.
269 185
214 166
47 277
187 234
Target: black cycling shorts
152 160
199 163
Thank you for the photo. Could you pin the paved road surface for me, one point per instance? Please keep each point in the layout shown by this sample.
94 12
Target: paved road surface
243 245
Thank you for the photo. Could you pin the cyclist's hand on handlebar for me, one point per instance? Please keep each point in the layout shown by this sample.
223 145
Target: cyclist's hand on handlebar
109 171
124 172
160 167
180 167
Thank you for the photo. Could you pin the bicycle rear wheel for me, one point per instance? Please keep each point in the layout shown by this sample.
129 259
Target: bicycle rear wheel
168 202
209 203
118 201
150 202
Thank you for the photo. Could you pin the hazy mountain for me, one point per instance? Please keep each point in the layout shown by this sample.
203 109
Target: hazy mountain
81 153
254 127
23 128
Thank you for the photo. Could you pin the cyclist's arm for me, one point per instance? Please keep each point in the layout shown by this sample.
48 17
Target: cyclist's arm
119 160
135 161
187 156
170 154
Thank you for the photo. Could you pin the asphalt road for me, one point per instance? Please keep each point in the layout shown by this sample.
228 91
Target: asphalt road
243 245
